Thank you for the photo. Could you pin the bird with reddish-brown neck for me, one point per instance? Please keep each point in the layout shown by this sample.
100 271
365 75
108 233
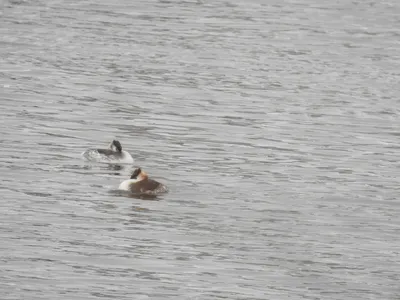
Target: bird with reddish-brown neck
140 183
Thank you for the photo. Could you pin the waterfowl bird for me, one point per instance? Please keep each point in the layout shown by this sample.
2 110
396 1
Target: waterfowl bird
140 183
114 154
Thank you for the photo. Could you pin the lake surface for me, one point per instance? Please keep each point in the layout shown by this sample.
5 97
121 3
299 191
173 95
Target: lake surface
275 125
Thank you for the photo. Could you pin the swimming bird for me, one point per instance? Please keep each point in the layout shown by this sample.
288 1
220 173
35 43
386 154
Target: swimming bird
140 183
114 154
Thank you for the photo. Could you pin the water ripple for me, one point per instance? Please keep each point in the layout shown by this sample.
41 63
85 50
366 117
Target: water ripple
275 126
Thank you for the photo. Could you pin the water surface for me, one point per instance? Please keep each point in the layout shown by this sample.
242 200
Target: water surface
275 126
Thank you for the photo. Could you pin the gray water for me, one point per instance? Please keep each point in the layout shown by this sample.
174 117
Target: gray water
275 125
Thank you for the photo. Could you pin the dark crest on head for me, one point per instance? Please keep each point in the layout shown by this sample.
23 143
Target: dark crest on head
136 173
117 145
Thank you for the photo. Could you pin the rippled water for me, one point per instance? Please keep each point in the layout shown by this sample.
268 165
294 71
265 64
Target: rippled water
275 124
